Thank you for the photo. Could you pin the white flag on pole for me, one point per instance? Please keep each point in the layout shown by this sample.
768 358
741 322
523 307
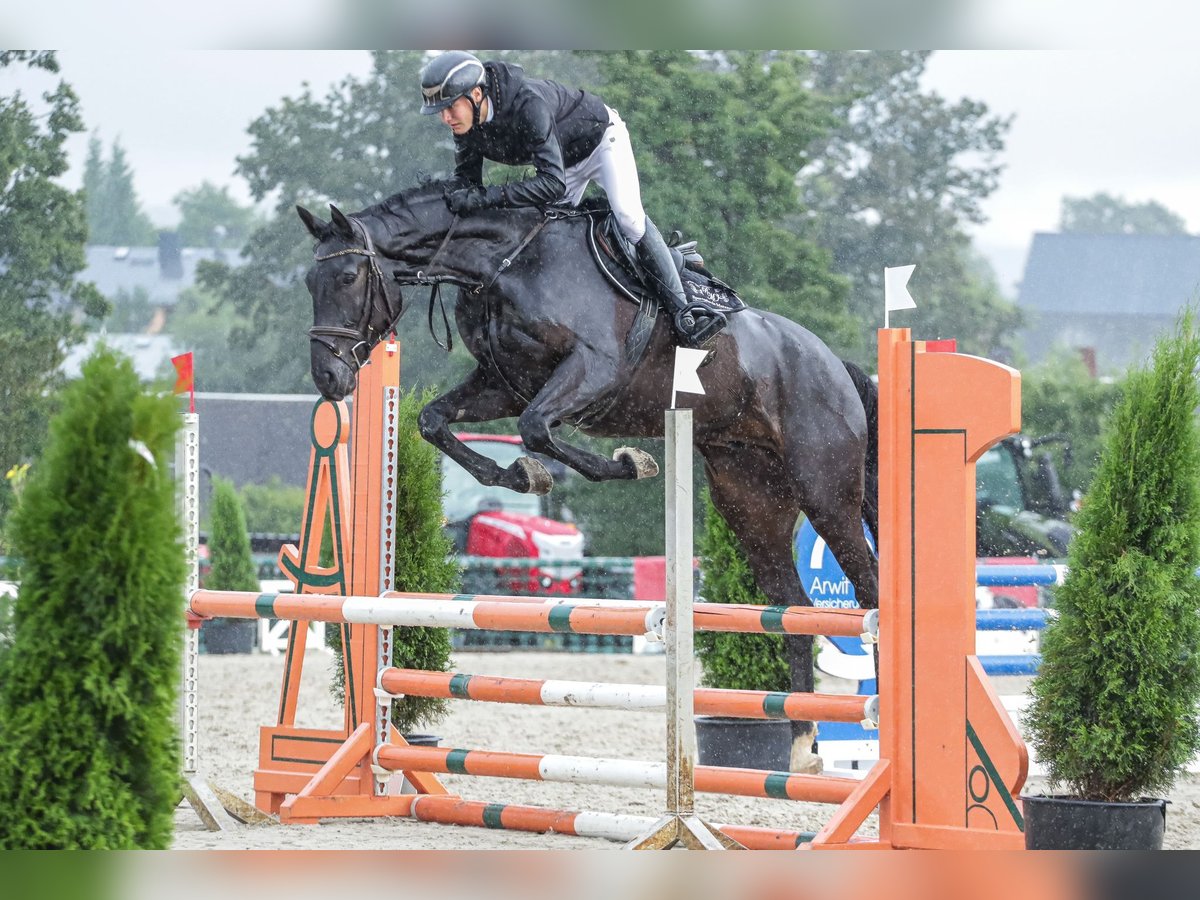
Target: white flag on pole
895 288
687 379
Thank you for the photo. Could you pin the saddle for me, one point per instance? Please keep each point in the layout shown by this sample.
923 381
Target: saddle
617 258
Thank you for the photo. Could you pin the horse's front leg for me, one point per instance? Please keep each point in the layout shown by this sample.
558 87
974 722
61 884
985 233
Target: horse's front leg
478 399
570 390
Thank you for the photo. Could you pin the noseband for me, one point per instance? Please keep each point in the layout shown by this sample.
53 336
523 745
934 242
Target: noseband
365 335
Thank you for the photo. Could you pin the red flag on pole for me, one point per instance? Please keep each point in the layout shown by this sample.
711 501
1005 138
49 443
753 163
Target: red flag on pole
185 379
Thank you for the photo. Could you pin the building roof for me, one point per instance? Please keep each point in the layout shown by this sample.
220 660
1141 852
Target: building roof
248 438
1121 274
113 269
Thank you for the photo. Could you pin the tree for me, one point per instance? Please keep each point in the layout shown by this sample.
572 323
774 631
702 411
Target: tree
719 140
232 569
98 631
1113 714
229 349
1104 214
747 662
363 141
1060 397
212 218
43 230
896 182
115 215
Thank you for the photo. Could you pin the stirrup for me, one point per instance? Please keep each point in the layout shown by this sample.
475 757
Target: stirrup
698 333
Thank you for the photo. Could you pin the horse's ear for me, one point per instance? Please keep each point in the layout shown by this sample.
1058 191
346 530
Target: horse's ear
340 222
315 226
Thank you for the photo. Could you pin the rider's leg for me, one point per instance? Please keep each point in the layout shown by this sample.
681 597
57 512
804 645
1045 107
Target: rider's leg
694 325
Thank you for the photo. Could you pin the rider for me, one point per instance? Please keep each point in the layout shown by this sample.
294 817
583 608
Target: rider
570 137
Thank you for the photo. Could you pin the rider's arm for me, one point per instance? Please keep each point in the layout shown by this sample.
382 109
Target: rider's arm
468 161
535 124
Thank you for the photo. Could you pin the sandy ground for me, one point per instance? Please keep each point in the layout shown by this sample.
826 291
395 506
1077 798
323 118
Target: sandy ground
238 693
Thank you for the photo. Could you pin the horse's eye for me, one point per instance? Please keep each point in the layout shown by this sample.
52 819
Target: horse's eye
349 278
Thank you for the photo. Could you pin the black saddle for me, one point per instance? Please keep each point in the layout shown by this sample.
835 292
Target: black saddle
616 256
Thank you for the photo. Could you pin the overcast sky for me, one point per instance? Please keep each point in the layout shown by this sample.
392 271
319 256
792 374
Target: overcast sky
1085 121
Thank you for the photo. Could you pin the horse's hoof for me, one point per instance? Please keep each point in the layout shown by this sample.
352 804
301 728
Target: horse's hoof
803 760
640 462
537 478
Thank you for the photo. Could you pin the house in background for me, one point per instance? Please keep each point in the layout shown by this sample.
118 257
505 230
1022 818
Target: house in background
1110 294
161 272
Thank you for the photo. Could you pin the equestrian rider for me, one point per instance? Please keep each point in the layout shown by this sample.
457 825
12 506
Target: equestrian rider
570 138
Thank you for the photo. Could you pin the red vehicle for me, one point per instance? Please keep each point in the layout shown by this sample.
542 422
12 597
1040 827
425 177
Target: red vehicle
497 522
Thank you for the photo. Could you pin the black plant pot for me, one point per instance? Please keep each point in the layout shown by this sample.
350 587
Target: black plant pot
1065 823
229 635
423 740
744 743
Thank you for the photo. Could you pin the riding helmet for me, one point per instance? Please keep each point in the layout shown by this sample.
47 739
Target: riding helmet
447 77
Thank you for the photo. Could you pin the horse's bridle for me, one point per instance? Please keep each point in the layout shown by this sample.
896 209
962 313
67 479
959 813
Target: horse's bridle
365 335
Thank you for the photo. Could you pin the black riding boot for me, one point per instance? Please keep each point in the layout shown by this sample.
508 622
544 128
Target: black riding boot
695 325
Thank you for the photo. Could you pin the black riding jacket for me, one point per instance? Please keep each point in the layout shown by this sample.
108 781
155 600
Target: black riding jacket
534 122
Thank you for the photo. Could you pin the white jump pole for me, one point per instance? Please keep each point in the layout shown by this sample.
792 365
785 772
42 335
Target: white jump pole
680 824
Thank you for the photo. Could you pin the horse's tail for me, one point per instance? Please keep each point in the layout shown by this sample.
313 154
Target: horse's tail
869 394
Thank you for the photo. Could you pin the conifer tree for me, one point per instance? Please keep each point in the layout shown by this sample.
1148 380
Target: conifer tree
1113 713
232 562
90 756
746 662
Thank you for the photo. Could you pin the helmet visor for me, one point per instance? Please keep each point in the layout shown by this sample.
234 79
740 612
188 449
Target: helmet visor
435 99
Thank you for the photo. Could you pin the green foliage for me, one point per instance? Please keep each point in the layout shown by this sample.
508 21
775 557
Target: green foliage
1113 715
90 757
212 218
132 311
1059 396
362 142
719 140
274 507
424 562
229 350
43 230
896 182
228 544
114 213
1105 214
750 662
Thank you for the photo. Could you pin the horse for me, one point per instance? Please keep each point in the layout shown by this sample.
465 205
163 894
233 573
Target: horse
784 428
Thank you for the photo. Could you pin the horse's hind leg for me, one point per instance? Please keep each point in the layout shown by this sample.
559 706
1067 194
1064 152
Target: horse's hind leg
575 385
753 492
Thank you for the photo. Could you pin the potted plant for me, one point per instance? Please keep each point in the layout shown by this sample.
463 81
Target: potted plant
425 562
1113 712
232 570
754 662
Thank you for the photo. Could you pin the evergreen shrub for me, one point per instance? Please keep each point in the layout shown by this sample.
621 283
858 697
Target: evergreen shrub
232 567
1113 713
750 662
90 757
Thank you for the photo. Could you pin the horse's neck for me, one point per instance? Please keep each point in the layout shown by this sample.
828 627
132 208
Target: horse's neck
471 248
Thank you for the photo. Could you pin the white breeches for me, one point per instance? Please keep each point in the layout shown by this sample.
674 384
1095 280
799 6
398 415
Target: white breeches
612 166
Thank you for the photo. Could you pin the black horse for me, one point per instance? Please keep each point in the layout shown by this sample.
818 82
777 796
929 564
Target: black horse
785 426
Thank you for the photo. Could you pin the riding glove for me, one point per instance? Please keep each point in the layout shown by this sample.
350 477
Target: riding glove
475 197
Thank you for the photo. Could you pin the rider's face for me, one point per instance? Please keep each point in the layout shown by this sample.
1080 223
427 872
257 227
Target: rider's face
460 115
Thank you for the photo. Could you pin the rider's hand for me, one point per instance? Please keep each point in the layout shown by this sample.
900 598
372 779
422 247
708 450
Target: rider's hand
475 197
